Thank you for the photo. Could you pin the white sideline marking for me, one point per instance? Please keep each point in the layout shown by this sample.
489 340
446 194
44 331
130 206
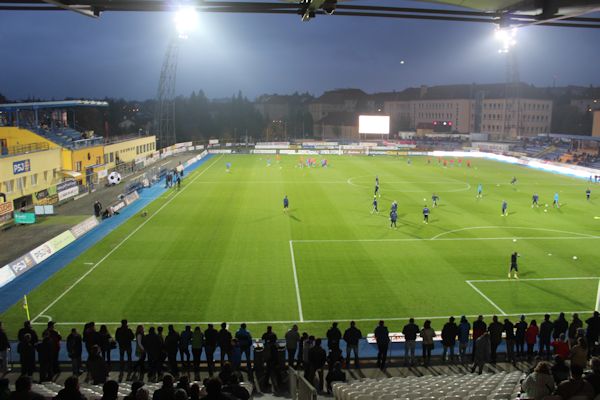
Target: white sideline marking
312 321
535 279
485 297
448 239
598 297
512 227
296 282
123 241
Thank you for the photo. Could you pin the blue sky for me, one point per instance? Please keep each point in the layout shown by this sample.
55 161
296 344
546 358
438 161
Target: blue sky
59 54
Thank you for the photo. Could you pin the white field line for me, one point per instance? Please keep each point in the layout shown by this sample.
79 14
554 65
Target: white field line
598 297
313 321
122 241
296 282
536 279
485 297
512 227
448 239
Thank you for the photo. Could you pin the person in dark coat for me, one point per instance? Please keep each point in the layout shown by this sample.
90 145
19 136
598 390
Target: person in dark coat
317 359
292 337
23 389
55 339
135 385
545 336
214 391
561 325
124 336
335 375
334 335
352 337
233 388
74 349
269 335
593 330
172 347
479 327
110 390
509 331
210 344
521 328
4 347
197 345
593 377
382 336
44 351
106 343
495 329
71 390
96 366
167 390
482 352
27 329
153 346
185 340
26 350
449 334
574 326
224 341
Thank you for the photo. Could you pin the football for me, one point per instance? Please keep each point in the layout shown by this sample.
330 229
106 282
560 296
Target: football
114 178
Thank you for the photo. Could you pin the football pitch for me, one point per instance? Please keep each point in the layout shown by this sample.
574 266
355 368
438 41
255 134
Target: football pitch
221 248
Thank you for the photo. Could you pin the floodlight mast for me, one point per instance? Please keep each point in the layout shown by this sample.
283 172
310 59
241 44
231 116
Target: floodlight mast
512 115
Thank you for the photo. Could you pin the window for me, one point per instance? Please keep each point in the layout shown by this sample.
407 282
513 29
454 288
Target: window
9 186
112 157
34 179
78 166
21 183
98 160
45 176
106 159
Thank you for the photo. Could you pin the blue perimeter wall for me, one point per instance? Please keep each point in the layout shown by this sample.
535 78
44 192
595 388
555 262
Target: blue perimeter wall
22 285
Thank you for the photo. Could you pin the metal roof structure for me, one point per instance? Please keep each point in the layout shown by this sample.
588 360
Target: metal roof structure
41 105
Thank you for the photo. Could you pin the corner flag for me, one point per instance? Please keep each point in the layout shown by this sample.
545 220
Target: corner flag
26 307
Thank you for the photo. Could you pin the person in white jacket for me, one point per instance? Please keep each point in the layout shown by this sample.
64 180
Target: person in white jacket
539 383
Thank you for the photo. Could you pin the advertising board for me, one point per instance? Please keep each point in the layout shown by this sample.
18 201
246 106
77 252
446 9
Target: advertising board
21 264
68 193
83 227
24 218
21 166
6 208
6 275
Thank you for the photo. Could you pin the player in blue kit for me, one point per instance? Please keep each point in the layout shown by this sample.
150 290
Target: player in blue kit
534 200
394 206
377 186
425 214
556 203
479 191
434 200
286 204
374 205
393 219
588 193
504 208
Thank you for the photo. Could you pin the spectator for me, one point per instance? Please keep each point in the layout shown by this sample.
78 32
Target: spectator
90 336
546 328
54 347
236 354
167 391
464 332
521 329
495 329
184 383
26 329
197 343
382 336
317 358
449 334
509 331
269 335
124 336
271 358
226 372
97 366
244 339
560 371
172 347
308 343
44 350
531 337
481 352
427 334
213 390
140 351
185 339
410 332
479 328
334 335
71 390
106 344
352 337
593 377
195 392
26 352
539 383
23 388
335 375
233 388
142 394
153 347
224 341
292 337
578 355
300 357
180 394
560 326
135 386
574 327
561 347
575 386
4 390
74 349
110 390
4 347
593 330
210 344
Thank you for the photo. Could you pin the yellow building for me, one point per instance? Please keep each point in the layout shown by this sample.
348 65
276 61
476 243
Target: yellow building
129 150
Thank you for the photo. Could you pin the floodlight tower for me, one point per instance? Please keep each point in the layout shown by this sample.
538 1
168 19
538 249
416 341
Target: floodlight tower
512 114
164 113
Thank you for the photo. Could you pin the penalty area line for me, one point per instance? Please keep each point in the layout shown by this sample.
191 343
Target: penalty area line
598 297
298 300
485 297
123 241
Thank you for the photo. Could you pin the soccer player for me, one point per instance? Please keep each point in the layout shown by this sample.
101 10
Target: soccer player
534 200
394 206
228 167
374 205
425 214
286 203
514 180
479 191
513 266
434 199
556 203
588 193
377 187
393 218
504 208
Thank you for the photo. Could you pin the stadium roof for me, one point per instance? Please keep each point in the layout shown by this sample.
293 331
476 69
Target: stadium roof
52 104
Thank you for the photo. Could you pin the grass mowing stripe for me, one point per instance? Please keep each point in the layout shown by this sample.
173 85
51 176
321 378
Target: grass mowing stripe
485 297
121 242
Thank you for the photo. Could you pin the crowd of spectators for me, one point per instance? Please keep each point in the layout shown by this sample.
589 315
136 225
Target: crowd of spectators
571 343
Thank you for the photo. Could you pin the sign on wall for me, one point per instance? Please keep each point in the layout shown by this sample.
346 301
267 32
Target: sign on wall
21 166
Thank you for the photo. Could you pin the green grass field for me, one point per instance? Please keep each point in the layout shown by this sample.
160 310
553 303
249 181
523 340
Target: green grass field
222 249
